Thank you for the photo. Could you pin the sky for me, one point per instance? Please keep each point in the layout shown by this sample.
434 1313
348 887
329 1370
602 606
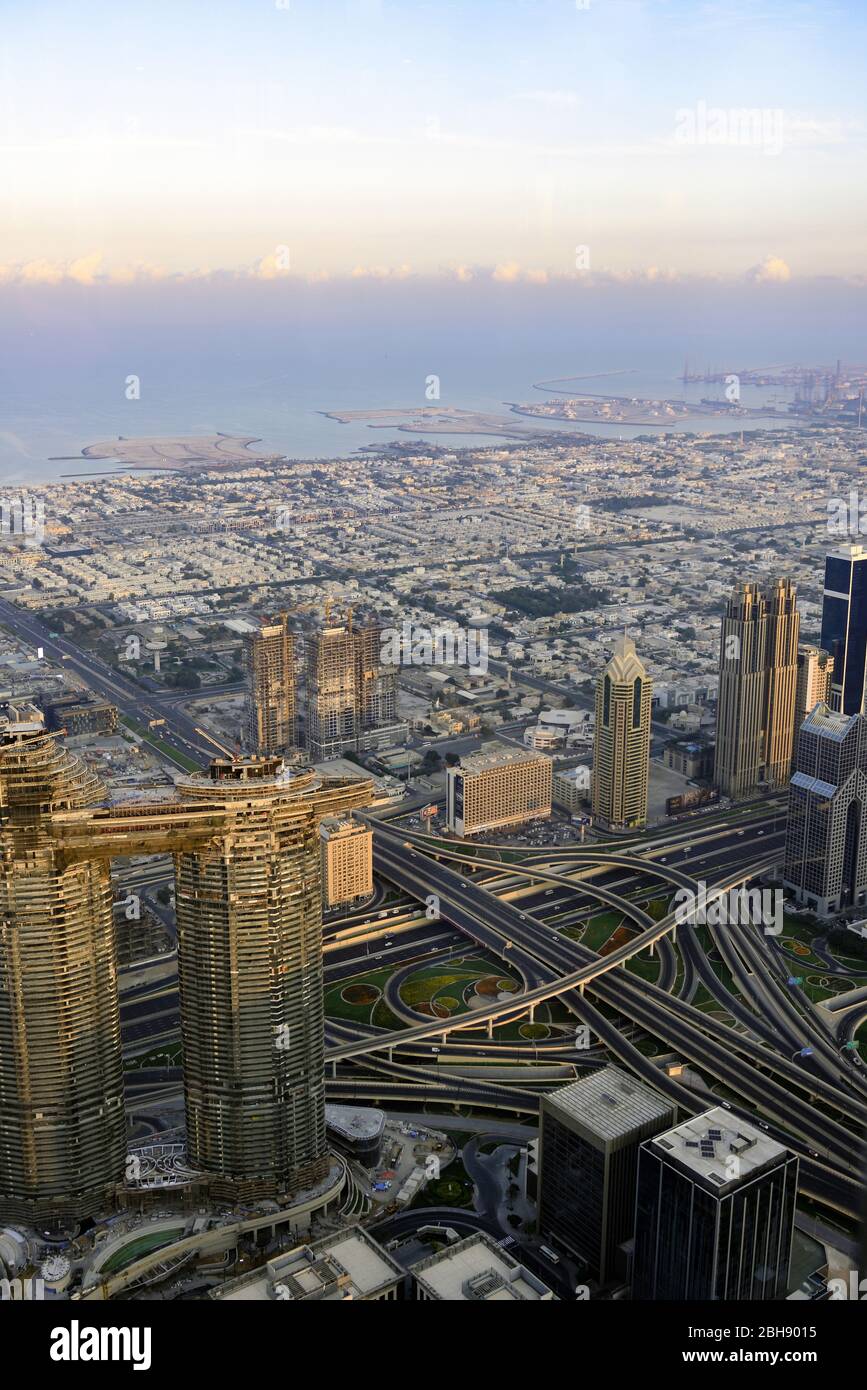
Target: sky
512 140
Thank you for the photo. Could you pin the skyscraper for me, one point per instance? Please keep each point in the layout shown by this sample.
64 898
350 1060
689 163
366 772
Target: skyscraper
62 1124
590 1132
826 829
715 1212
844 626
621 749
813 687
249 912
247 863
270 714
758 679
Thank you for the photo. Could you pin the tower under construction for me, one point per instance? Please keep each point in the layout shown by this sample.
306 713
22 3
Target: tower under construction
271 704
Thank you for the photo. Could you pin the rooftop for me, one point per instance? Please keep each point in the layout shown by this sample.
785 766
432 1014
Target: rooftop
476 1270
497 755
609 1102
720 1149
349 1265
355 1122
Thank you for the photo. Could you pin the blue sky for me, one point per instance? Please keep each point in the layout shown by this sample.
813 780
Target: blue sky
397 137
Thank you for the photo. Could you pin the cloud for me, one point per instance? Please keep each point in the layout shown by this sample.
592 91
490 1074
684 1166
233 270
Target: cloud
85 269
381 272
771 271
274 266
89 271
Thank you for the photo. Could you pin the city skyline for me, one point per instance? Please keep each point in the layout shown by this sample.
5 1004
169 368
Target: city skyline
433 670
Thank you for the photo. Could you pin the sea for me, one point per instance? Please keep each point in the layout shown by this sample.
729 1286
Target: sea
65 379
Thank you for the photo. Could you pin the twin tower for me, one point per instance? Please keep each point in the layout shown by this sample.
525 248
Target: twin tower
245 842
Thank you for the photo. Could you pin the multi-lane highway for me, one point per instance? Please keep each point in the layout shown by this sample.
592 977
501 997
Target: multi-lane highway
815 1103
178 733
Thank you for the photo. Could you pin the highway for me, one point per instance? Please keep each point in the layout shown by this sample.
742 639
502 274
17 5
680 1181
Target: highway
178 732
743 1064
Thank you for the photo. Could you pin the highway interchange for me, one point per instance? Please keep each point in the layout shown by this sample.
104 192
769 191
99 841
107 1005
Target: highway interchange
777 1058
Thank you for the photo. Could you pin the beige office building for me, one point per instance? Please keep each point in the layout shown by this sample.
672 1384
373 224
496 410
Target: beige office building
813 686
571 789
757 689
621 746
332 691
498 787
271 701
347 861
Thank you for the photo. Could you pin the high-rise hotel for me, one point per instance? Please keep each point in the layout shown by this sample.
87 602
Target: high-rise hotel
62 1123
757 689
621 749
245 840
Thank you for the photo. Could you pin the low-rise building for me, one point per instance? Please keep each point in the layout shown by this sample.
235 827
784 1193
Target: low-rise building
571 789
349 1265
476 1270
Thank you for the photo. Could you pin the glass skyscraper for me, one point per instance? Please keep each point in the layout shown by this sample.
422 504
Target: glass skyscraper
844 625
714 1213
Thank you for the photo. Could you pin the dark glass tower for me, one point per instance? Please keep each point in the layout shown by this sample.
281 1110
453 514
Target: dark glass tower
844 625
590 1132
715 1212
